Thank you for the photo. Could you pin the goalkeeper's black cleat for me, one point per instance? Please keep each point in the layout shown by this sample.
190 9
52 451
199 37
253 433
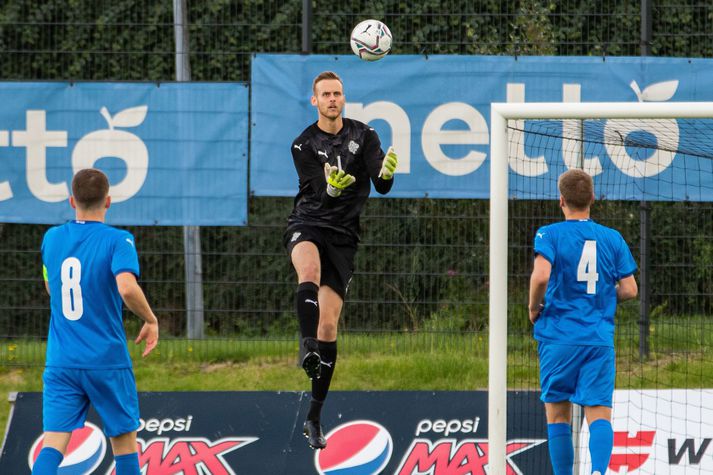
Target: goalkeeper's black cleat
312 362
313 432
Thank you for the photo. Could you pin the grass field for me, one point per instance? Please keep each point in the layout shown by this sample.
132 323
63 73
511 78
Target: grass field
427 361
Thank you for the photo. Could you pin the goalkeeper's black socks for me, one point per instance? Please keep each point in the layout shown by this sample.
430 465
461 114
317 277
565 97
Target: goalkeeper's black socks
307 305
320 387
315 410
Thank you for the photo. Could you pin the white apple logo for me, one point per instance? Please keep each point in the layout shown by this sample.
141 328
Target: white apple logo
665 130
120 144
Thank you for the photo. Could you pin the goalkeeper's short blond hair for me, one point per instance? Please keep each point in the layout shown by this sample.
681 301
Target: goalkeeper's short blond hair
323 76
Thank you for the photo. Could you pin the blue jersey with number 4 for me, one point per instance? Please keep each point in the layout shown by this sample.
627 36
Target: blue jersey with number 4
587 260
82 259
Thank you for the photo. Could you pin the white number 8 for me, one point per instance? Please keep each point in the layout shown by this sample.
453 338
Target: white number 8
72 306
587 268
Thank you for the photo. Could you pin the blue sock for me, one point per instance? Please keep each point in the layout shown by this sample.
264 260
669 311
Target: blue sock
127 464
561 448
601 441
47 462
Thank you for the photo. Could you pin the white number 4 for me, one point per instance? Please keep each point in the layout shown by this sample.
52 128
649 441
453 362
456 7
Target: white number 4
587 268
72 304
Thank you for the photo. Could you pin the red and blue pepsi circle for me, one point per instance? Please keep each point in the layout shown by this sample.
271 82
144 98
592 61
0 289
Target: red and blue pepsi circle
355 448
85 451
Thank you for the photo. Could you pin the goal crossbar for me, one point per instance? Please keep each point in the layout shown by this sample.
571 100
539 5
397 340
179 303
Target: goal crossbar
498 254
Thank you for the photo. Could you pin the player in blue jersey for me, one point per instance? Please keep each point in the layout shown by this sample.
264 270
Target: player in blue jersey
582 269
89 268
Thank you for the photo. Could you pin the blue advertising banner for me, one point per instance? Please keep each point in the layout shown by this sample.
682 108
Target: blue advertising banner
368 433
260 433
175 153
435 110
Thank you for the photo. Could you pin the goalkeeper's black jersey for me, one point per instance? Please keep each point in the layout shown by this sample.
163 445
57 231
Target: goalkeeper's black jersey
358 148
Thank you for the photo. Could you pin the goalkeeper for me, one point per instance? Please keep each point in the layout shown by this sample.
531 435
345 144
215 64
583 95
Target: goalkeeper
336 159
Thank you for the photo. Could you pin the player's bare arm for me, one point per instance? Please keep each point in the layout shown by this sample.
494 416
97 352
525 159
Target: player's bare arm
538 286
135 300
626 289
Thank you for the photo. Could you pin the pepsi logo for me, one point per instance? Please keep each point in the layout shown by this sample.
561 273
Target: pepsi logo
85 451
355 448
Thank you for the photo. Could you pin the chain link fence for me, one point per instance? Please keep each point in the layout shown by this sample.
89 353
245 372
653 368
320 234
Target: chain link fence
422 266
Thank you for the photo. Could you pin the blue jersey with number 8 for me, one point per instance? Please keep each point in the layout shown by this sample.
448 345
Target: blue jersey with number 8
587 260
81 260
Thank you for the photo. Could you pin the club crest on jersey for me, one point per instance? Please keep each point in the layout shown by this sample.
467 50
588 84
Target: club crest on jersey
353 146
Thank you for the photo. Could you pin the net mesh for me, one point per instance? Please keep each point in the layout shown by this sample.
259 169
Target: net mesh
653 182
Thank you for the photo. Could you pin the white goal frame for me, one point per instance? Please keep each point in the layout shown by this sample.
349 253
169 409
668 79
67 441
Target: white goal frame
500 113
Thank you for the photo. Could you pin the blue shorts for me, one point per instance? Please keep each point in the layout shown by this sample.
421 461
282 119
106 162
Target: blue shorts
68 392
581 374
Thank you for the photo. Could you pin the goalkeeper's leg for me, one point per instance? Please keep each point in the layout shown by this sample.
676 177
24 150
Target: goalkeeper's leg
306 260
330 308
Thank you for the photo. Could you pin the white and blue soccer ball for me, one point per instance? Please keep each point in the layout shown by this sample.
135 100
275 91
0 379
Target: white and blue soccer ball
371 40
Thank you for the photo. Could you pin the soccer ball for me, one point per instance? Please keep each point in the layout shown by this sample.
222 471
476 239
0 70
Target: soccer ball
371 40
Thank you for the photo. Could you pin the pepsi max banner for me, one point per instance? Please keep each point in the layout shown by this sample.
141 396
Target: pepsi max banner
175 154
260 433
369 433
435 110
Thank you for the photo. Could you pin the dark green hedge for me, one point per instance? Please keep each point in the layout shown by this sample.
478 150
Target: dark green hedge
134 39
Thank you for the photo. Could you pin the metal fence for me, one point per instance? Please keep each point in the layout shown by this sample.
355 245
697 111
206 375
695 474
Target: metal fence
422 267
134 39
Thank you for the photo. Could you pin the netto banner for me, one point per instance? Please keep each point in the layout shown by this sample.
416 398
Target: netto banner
260 433
175 154
435 111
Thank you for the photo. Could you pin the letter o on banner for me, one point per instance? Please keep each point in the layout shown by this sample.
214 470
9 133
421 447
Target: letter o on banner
659 159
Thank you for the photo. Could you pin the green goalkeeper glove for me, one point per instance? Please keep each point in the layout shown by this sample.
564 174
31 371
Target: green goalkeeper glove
337 180
388 167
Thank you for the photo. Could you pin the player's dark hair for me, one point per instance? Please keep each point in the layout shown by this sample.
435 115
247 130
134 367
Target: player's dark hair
90 188
577 189
323 76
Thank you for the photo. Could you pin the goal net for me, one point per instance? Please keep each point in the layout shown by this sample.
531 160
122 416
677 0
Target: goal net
652 166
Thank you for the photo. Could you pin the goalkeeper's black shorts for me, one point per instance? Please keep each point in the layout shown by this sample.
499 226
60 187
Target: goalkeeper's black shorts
336 253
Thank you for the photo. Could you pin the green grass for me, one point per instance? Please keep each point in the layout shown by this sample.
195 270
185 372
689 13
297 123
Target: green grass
388 361
376 362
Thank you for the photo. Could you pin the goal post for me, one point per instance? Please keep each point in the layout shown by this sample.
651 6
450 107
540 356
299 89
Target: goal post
501 113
